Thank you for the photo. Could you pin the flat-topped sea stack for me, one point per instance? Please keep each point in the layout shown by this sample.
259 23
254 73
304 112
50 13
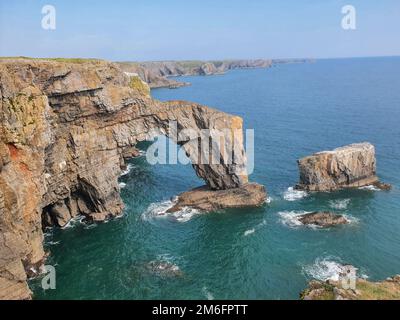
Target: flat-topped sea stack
351 166
206 200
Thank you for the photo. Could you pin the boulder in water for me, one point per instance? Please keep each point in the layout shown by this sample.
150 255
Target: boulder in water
323 219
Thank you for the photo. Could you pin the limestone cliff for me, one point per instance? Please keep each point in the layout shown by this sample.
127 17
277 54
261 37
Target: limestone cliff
66 131
156 73
345 167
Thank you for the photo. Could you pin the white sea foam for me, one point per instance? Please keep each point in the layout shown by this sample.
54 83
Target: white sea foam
268 200
370 188
291 218
324 269
248 232
350 219
159 210
253 230
208 294
292 194
122 185
127 170
49 232
142 153
73 222
340 204
185 214
91 226
328 268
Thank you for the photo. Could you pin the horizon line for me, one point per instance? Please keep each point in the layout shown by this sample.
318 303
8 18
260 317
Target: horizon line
201 60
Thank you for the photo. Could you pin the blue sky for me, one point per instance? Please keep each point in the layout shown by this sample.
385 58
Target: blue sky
177 29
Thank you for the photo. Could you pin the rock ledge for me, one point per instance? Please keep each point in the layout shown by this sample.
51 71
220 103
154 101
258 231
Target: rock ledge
205 199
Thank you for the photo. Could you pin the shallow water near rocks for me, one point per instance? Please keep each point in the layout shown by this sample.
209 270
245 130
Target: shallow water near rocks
296 110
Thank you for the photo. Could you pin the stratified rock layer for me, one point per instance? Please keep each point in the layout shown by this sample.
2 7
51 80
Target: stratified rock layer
67 129
157 73
346 167
204 199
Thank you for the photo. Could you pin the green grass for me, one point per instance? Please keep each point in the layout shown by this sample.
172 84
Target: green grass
379 291
137 84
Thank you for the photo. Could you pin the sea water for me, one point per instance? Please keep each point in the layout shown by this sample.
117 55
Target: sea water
260 253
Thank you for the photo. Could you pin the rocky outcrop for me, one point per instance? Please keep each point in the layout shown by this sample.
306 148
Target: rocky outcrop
67 129
156 73
323 219
388 289
346 167
204 199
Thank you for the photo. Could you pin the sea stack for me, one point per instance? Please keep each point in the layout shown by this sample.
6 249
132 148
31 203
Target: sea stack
345 167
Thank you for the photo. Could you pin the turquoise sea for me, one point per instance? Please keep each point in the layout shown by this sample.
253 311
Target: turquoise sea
262 253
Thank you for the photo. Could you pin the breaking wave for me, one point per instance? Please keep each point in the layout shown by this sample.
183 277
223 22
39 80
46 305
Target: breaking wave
292 194
370 188
324 269
159 210
328 268
74 222
291 218
127 170
53 243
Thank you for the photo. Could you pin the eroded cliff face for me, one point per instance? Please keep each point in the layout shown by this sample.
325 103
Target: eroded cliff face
66 132
346 167
156 73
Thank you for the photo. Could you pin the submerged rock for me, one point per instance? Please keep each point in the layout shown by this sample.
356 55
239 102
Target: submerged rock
346 167
205 199
164 268
382 186
388 289
323 219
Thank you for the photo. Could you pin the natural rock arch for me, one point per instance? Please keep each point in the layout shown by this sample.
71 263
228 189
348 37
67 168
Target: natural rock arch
65 132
